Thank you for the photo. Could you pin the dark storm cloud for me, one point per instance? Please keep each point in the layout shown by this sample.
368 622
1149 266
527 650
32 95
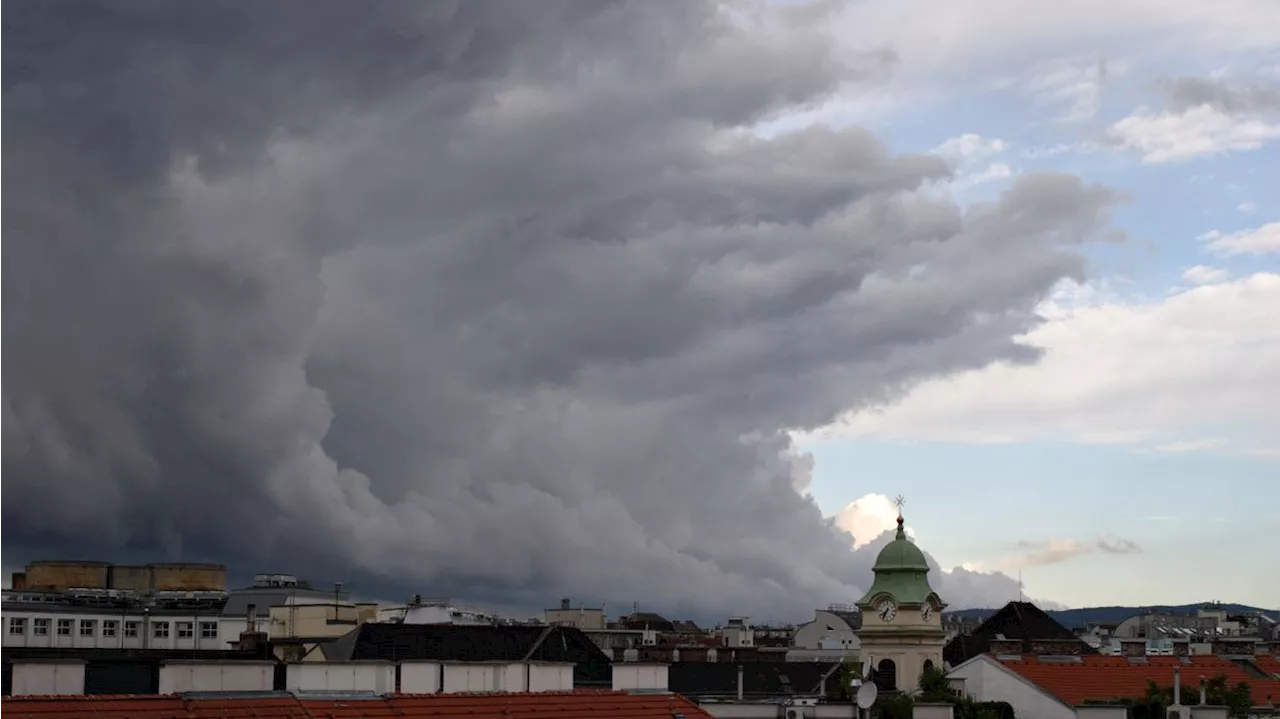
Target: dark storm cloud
497 299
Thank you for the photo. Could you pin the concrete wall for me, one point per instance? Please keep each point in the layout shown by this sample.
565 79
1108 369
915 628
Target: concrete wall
985 680
772 710
552 677
1209 712
930 710
188 577
742 710
637 675
207 676
484 677
418 677
1104 712
171 577
65 575
341 676
42 678
134 578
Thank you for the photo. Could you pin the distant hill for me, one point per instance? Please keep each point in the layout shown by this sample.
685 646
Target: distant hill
1074 618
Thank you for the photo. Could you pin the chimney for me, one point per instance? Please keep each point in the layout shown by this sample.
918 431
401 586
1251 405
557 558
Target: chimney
1202 691
1177 686
251 618
740 682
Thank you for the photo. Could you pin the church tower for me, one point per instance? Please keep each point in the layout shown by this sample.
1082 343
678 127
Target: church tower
901 629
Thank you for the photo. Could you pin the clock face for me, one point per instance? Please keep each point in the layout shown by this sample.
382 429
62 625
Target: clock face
926 612
886 610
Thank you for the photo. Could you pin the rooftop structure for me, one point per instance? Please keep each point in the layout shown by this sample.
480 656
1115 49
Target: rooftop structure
1018 628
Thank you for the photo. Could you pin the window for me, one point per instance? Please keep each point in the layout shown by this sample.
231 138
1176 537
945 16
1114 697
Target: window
40 627
184 630
18 625
88 627
208 630
64 627
109 627
160 630
886 676
131 628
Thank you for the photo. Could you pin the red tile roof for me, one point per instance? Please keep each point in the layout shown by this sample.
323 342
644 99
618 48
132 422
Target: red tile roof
548 705
1106 677
1268 664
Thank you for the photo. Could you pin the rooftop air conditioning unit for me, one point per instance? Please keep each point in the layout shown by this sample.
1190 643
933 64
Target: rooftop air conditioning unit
1178 712
794 713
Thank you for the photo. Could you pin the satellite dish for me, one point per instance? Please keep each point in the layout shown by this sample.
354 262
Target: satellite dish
867 695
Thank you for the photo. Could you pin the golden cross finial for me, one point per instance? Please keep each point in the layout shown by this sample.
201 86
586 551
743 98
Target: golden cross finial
900 502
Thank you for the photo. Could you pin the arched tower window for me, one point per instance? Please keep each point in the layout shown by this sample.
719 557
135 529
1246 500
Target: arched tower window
886 675
928 664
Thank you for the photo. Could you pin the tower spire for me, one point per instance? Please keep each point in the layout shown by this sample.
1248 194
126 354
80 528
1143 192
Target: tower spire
900 501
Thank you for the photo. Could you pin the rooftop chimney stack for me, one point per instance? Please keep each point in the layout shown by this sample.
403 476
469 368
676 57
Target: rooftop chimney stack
740 682
564 604
1202 691
1177 687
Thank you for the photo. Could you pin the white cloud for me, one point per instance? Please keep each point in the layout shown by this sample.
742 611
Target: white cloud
1201 362
1246 207
991 173
868 517
1198 132
970 154
1205 275
1055 551
968 37
1258 241
970 146
1194 445
1074 86
1043 153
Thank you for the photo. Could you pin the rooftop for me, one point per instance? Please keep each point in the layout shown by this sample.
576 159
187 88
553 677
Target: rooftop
273 705
1022 621
1100 678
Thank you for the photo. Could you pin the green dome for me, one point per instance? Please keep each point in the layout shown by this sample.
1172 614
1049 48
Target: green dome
901 555
901 572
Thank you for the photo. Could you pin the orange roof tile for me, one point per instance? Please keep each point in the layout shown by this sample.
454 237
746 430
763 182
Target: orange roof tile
1104 677
548 705
1268 663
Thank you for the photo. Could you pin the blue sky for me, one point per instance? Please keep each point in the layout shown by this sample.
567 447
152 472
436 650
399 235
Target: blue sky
1152 424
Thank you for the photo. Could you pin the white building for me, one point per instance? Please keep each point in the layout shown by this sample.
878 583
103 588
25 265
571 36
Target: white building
422 610
831 636
107 619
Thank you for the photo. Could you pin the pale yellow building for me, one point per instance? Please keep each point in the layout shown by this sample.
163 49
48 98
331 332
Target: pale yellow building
313 618
567 615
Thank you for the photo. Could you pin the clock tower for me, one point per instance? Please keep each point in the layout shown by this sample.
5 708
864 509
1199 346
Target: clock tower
901 629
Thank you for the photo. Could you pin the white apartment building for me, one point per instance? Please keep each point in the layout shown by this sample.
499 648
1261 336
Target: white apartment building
107 619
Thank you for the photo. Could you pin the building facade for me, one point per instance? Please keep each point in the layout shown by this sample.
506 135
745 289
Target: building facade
105 619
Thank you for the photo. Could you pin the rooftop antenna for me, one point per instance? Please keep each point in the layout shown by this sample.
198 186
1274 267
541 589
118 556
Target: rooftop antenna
1021 597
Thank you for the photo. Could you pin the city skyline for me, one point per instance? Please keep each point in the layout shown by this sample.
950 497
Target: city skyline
649 300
